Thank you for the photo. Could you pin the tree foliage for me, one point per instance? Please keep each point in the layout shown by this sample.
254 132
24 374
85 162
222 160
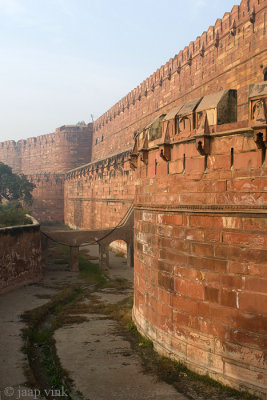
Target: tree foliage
14 187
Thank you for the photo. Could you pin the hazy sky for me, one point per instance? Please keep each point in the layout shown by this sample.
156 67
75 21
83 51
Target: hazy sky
63 60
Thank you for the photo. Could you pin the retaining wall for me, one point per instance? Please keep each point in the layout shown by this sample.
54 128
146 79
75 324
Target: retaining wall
20 256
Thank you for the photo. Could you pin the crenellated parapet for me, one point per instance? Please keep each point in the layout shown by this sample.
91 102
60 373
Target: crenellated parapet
46 176
222 47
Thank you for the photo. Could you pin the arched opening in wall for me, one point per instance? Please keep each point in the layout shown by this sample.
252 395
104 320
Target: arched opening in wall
119 255
265 74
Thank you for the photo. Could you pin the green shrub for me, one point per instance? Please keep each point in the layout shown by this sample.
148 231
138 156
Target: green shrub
12 215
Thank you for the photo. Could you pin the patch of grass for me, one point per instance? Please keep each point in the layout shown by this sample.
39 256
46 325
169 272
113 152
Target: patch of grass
86 254
118 283
39 337
64 251
36 316
91 272
59 253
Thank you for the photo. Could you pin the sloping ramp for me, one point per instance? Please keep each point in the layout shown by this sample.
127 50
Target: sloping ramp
103 237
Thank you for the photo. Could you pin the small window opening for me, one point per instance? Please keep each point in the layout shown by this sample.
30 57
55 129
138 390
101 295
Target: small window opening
184 163
232 157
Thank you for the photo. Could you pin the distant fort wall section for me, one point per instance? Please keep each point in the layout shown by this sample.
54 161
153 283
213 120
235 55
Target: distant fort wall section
44 160
68 147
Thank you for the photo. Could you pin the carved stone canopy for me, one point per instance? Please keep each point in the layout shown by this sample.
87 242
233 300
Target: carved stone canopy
221 108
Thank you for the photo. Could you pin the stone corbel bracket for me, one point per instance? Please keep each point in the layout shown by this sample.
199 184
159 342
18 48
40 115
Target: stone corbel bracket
133 157
144 155
203 144
144 150
133 160
202 136
165 150
165 146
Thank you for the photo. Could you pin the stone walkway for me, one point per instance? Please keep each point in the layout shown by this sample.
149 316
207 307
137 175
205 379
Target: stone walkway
102 363
12 359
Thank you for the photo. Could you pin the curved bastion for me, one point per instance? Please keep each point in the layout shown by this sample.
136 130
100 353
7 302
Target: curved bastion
201 237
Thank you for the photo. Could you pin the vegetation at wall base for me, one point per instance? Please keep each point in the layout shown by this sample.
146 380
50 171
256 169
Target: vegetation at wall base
14 187
40 343
15 193
177 374
12 215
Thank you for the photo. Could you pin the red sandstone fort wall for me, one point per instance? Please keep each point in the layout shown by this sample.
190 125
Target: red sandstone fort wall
48 197
230 55
99 194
